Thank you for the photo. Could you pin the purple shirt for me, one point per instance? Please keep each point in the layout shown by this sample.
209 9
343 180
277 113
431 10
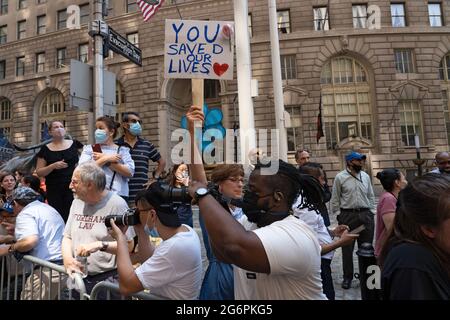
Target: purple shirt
386 204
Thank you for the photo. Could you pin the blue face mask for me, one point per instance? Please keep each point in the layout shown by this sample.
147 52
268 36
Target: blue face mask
151 232
100 136
135 129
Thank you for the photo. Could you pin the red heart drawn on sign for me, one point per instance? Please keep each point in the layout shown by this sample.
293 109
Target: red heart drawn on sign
220 69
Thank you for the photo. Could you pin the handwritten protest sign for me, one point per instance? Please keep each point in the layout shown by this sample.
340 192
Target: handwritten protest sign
199 49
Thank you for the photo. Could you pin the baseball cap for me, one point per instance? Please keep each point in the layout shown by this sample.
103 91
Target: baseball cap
25 193
354 156
8 207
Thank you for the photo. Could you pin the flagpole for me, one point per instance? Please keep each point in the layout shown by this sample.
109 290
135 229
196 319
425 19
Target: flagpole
178 10
244 75
277 81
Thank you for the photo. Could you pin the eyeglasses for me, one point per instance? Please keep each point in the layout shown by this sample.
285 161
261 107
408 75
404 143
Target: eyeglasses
143 210
444 162
134 121
236 180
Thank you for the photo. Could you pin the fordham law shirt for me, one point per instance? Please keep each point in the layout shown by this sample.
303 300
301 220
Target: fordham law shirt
86 224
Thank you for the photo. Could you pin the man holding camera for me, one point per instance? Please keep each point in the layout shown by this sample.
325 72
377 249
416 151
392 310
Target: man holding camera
86 234
174 269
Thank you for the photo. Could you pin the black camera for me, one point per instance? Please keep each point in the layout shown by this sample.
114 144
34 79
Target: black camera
173 195
128 218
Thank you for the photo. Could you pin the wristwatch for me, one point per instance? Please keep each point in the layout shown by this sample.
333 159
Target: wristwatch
200 193
105 245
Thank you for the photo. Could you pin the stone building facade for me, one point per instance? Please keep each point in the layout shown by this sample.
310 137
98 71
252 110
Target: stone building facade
379 81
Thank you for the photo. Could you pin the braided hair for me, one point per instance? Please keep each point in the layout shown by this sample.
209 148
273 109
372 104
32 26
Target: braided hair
294 184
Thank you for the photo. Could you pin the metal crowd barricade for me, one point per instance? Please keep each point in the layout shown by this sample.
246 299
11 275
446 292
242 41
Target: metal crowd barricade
31 276
114 287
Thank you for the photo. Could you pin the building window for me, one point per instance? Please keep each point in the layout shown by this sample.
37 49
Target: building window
83 52
2 69
359 16
3 34
120 102
41 24
133 38
212 89
21 4
40 62
20 66
446 108
345 101
131 6
250 25
85 13
404 62
3 7
5 109
62 19
321 19
444 68
288 67
398 15
52 103
343 70
284 22
21 29
41 1
5 118
61 58
52 108
294 132
410 122
435 14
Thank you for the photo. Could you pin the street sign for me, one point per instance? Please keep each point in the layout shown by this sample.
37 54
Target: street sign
122 46
81 95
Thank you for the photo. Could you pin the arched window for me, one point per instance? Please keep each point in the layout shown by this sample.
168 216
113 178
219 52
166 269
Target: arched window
5 118
444 75
345 101
120 102
444 68
52 108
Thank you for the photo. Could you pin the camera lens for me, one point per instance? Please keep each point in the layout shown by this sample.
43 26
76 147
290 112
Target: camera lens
175 195
128 218
118 220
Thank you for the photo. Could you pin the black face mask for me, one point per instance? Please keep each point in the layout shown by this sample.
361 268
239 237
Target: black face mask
260 216
356 168
250 207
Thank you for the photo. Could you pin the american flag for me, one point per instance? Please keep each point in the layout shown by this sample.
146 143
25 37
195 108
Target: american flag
149 7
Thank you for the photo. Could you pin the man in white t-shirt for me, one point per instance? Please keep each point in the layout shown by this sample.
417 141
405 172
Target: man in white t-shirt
280 257
39 232
172 270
